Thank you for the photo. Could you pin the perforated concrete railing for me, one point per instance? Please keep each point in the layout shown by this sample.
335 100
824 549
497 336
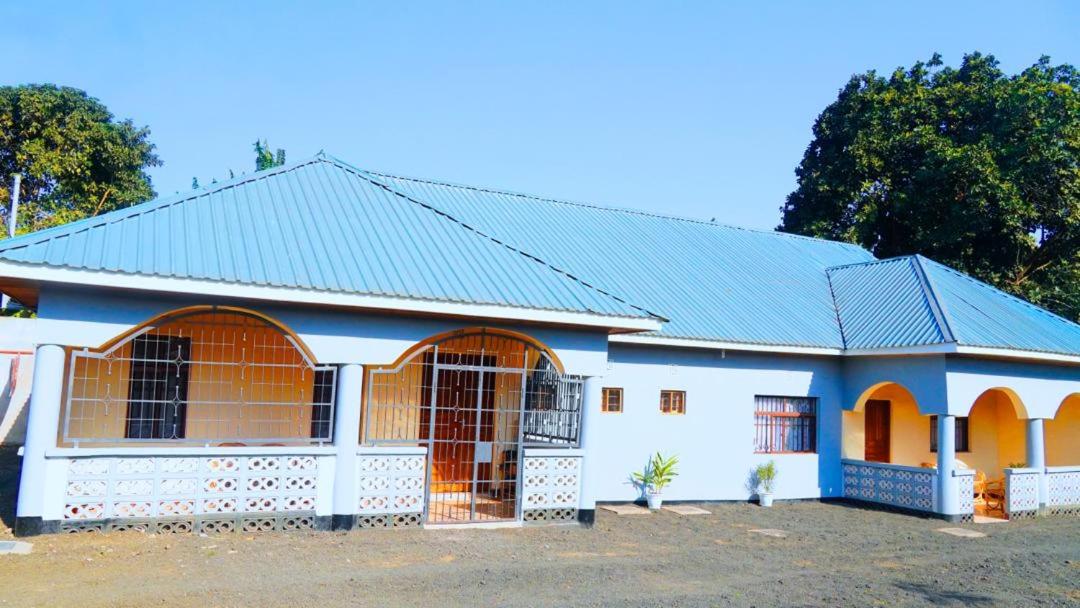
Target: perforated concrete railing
965 487
551 485
889 484
1064 490
1021 493
187 493
391 489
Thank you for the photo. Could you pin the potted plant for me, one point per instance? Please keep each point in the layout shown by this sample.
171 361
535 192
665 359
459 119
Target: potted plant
766 478
657 474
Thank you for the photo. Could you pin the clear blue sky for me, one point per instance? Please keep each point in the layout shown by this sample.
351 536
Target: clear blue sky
695 109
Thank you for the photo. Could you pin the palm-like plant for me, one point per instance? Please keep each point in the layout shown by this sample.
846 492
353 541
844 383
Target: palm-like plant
766 476
659 472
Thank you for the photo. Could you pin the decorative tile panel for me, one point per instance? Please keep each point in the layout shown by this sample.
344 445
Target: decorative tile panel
1064 489
169 486
390 484
893 485
551 482
965 485
1021 492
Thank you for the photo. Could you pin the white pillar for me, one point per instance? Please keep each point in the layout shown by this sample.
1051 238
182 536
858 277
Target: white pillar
42 426
1036 457
347 401
590 462
948 487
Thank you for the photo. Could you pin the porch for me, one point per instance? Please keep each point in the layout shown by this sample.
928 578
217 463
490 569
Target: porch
215 418
995 460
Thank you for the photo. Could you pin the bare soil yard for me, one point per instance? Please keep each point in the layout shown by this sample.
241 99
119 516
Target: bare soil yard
833 555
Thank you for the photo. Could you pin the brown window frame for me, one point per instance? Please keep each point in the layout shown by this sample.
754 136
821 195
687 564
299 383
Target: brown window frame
605 400
670 409
962 432
773 428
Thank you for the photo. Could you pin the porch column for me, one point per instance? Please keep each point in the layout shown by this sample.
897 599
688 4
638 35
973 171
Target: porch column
590 410
948 487
347 402
42 426
1036 457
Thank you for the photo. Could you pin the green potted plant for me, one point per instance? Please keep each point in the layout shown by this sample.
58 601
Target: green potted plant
766 479
658 473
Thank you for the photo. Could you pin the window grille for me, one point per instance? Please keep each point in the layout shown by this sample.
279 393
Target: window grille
210 376
963 438
673 402
785 425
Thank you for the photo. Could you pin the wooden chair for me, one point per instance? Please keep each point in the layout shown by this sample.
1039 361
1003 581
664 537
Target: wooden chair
994 497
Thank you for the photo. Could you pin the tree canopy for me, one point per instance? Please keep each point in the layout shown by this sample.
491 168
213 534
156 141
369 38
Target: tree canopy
265 159
76 160
969 166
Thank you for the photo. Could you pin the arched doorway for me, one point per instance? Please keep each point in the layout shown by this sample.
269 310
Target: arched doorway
474 399
886 426
1062 431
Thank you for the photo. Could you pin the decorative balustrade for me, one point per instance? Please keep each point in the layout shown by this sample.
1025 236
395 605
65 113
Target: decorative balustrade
891 484
1021 493
206 492
391 483
1064 490
551 483
965 487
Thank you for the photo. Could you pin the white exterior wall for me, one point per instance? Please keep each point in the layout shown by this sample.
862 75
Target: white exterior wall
715 438
17 339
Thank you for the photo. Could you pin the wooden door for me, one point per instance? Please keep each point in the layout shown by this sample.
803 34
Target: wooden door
878 424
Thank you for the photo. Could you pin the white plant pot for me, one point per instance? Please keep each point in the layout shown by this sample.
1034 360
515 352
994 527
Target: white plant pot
765 499
656 500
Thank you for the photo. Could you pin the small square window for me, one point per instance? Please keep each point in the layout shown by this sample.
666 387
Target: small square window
963 437
673 402
612 401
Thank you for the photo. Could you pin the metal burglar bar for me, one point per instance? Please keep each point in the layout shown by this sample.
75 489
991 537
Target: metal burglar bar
474 401
785 425
222 378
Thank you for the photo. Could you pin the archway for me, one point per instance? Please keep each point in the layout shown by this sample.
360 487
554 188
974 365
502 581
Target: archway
996 434
886 426
474 399
1062 433
206 375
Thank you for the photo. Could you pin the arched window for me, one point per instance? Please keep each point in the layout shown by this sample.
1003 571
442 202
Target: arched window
207 375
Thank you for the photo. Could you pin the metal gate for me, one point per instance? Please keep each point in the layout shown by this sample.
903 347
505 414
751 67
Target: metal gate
474 400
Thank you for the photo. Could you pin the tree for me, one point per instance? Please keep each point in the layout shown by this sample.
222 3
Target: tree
76 160
265 159
968 166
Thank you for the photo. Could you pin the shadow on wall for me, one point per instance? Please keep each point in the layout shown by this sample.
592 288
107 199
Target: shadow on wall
16 373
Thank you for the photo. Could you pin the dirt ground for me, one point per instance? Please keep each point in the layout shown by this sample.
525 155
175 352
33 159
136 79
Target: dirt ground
834 555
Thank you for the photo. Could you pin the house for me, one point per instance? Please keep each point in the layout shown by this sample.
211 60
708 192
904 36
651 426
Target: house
320 346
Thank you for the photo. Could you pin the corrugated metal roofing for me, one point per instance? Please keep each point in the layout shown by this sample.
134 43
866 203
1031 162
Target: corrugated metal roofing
884 304
314 225
712 281
980 315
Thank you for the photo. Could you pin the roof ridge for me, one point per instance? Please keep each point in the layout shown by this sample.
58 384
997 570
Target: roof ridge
836 309
893 259
937 304
379 183
154 204
598 207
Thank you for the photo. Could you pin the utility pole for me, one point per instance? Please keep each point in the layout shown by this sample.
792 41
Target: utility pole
13 220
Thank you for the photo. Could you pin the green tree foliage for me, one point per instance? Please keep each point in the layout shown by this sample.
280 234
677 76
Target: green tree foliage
968 166
265 159
76 160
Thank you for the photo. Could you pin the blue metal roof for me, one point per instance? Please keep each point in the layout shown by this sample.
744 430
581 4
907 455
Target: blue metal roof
885 304
914 301
324 225
712 281
317 225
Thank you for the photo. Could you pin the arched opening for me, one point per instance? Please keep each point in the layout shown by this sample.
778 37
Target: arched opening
211 375
887 426
996 434
474 399
1063 434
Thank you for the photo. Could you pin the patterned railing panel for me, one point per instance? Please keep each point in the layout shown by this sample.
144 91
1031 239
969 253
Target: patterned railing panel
551 482
391 483
1064 489
893 485
965 486
1021 492
182 486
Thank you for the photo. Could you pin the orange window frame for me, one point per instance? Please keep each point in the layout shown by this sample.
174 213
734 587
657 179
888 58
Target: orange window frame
672 402
606 405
